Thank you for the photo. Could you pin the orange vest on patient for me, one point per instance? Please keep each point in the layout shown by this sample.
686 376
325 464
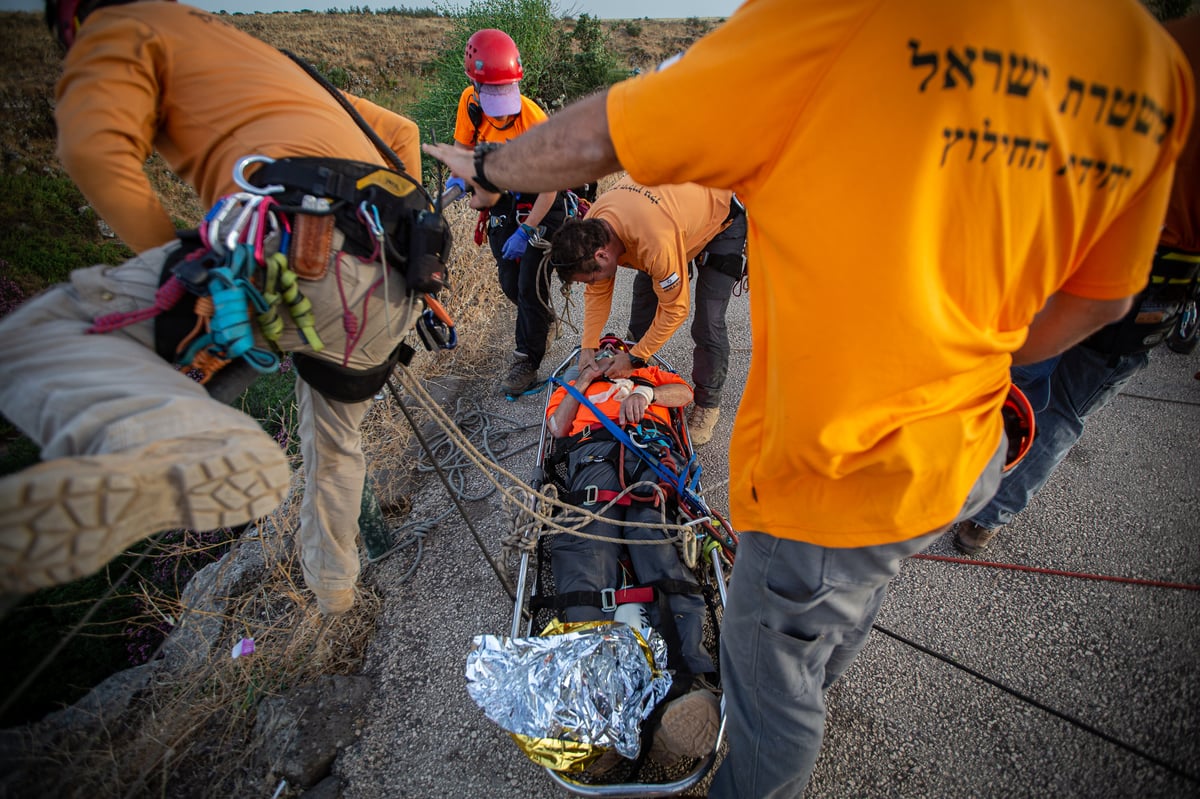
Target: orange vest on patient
610 407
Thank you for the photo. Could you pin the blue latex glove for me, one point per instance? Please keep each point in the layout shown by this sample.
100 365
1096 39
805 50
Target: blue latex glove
456 183
514 248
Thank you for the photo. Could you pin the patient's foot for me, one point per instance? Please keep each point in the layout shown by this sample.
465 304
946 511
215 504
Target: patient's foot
688 728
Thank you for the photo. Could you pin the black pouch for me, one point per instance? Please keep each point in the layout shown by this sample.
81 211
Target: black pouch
732 264
343 384
428 253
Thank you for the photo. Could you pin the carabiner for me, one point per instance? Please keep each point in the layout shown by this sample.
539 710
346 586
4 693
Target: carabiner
237 235
239 175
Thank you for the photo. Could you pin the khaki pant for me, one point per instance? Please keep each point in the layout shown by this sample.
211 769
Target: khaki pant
79 394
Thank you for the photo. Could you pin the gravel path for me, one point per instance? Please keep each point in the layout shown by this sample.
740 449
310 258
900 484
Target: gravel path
1122 658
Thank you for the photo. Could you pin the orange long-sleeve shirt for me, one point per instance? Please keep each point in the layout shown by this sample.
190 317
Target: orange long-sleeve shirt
662 228
172 78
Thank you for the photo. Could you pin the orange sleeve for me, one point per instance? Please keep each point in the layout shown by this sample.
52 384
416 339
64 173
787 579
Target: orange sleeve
107 113
673 303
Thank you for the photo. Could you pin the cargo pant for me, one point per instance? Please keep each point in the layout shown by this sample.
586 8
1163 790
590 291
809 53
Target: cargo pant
75 393
796 617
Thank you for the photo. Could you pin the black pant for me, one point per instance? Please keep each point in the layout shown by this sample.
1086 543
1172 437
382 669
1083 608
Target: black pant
584 564
526 283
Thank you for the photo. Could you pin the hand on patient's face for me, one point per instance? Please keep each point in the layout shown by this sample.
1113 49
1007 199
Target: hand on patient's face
587 356
588 372
620 365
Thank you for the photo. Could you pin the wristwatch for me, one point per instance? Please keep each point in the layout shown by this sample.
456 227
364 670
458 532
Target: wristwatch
481 152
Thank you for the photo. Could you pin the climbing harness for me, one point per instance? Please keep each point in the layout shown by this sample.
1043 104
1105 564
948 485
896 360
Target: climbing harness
241 260
648 444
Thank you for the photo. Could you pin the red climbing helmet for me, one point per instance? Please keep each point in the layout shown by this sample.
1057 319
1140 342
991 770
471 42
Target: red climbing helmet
1018 426
492 57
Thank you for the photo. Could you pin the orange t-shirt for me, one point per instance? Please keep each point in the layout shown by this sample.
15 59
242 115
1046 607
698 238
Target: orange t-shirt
919 177
492 130
611 407
172 78
662 228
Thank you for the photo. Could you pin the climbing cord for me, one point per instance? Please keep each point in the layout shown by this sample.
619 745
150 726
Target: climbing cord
1057 572
1072 720
1025 697
518 495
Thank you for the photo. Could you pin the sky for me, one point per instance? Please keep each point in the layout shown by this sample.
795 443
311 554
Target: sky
604 9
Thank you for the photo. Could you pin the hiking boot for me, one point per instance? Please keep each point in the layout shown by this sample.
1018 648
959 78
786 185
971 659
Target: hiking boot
688 728
522 376
970 538
701 423
68 517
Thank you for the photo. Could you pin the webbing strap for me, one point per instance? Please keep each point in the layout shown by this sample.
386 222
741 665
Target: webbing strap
609 599
592 496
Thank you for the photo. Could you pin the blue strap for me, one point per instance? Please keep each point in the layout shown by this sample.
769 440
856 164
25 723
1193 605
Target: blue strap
676 481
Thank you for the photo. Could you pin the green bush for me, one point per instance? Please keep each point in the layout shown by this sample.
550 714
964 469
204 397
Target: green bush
47 229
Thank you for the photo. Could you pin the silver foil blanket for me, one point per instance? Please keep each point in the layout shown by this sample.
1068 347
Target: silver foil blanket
593 683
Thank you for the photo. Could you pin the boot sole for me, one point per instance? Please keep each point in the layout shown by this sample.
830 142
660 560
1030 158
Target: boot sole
67 518
688 729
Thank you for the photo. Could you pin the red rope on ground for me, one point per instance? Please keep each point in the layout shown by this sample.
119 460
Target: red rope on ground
1059 572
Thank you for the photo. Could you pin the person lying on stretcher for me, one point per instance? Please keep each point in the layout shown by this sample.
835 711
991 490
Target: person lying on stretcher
589 575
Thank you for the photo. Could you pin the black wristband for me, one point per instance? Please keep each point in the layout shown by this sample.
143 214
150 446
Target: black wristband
481 152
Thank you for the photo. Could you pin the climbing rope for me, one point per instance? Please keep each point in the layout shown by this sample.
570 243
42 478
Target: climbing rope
1057 572
549 514
1072 720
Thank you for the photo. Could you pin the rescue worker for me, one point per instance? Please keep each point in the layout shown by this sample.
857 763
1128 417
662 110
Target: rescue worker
923 217
130 444
492 109
597 473
1077 384
658 231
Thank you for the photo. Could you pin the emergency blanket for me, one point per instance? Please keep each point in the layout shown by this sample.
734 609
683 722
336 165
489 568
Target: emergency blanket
573 692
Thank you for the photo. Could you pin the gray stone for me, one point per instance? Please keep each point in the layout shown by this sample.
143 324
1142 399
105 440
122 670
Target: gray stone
328 788
303 730
205 599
